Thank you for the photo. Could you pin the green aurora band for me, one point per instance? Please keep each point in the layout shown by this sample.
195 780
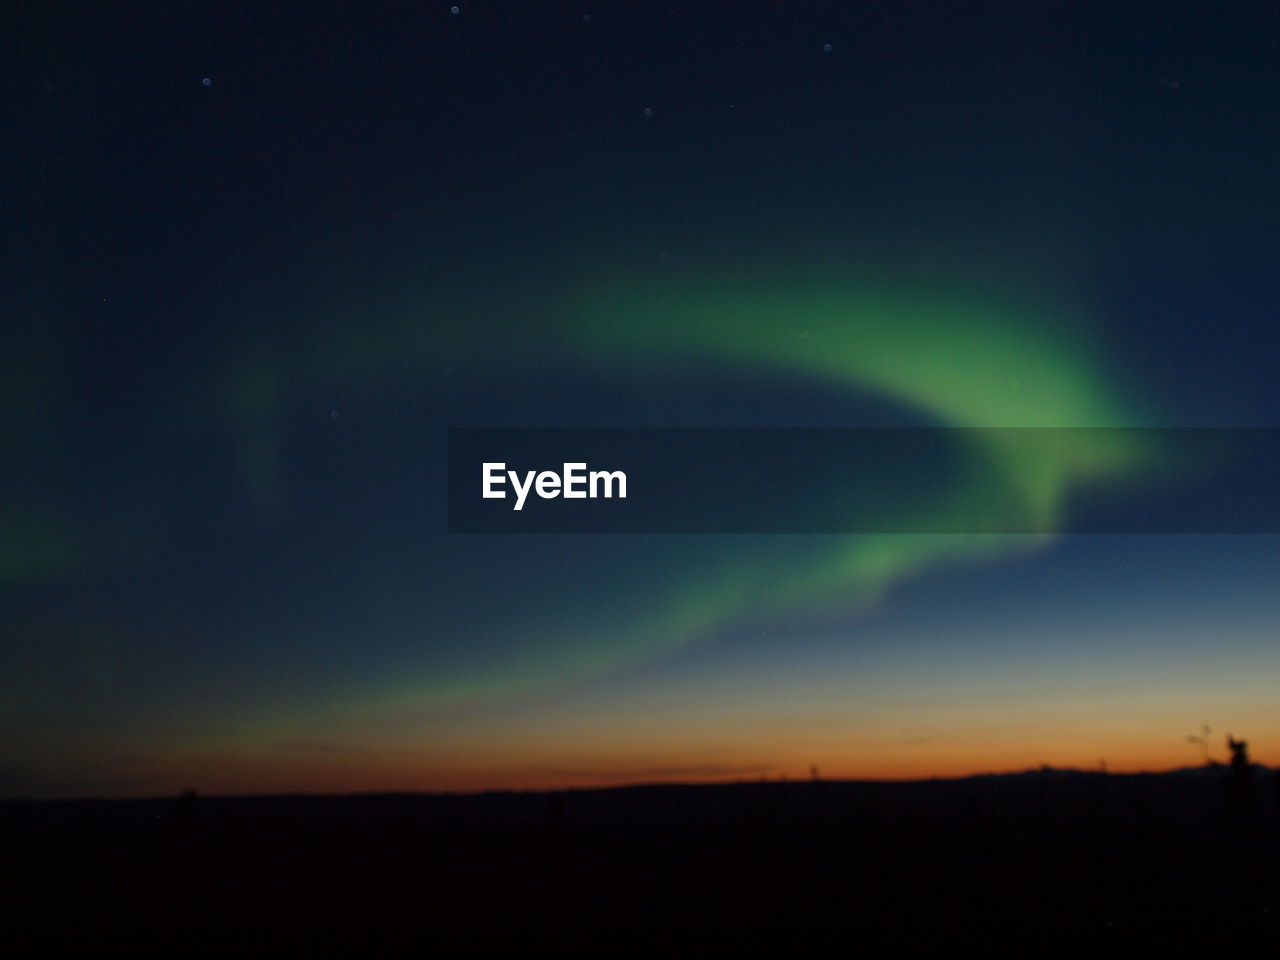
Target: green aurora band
953 362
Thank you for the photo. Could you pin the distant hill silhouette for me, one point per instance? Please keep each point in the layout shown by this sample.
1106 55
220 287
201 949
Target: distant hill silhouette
1041 856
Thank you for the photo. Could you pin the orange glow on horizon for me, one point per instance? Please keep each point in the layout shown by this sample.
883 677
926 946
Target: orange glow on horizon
262 774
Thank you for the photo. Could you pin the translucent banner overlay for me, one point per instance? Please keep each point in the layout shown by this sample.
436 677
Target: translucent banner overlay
864 480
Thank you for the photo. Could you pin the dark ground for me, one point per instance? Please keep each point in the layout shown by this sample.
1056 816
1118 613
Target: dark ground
1016 861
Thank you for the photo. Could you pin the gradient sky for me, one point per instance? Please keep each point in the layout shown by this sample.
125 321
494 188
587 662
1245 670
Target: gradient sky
242 313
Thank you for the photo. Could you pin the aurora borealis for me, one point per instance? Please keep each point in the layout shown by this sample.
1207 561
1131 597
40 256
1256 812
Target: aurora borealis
242 316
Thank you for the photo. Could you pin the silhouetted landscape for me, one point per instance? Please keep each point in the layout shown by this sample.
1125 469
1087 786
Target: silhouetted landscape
1025 859
449 396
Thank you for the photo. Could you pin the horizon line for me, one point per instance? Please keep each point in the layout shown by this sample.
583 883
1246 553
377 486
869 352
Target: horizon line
191 793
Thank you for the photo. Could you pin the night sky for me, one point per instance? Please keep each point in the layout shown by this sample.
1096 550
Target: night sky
259 257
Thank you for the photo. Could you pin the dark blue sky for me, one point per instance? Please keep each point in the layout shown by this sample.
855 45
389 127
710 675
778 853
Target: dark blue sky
240 316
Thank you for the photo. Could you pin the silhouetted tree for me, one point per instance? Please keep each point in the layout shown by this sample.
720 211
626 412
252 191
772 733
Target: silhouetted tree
1239 755
1240 795
1203 740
